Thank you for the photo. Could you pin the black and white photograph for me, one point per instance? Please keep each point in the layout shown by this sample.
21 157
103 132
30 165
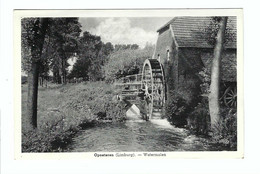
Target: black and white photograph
133 87
129 87
130 84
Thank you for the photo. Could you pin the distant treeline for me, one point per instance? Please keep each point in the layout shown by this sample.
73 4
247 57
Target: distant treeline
62 41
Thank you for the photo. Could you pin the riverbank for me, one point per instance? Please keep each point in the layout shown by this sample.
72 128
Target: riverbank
63 110
66 110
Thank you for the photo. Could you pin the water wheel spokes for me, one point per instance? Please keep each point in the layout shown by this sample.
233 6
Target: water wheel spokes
153 86
230 97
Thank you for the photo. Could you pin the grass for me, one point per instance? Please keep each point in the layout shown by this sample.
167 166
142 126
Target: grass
63 110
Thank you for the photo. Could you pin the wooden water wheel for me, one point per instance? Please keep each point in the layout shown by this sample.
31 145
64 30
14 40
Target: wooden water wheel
230 97
153 85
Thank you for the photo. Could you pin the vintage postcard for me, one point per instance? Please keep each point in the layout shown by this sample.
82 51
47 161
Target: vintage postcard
128 84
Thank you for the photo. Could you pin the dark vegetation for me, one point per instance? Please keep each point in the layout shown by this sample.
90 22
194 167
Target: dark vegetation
184 108
63 110
194 114
126 62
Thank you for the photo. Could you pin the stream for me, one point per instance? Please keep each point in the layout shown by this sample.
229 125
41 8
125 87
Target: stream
138 135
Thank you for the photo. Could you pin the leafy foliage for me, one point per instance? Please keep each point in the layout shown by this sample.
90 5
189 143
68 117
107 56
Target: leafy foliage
199 120
174 109
92 55
225 133
70 108
61 41
178 106
226 130
181 100
64 33
126 62
210 32
126 47
205 78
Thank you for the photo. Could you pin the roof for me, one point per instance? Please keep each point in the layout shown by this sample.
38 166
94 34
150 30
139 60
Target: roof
194 31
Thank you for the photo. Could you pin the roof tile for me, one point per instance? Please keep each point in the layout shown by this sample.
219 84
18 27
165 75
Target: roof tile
192 31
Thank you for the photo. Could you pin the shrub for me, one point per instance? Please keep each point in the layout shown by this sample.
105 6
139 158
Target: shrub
204 75
175 109
226 131
64 110
126 62
199 119
181 102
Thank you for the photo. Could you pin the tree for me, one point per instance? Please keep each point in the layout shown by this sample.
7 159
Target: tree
46 43
126 47
107 48
60 43
64 35
96 71
33 35
126 62
214 106
88 51
92 56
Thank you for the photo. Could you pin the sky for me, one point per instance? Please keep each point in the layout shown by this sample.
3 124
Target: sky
141 30
121 30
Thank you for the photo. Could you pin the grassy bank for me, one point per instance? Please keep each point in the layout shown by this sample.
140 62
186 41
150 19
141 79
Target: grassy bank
63 110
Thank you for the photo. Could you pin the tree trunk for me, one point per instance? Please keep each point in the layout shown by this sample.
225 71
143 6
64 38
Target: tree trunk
63 68
46 82
41 80
33 94
214 106
39 29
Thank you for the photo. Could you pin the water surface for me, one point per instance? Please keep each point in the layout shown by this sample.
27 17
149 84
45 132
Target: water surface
137 135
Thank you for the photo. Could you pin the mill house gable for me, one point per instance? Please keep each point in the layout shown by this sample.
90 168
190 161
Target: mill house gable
186 40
